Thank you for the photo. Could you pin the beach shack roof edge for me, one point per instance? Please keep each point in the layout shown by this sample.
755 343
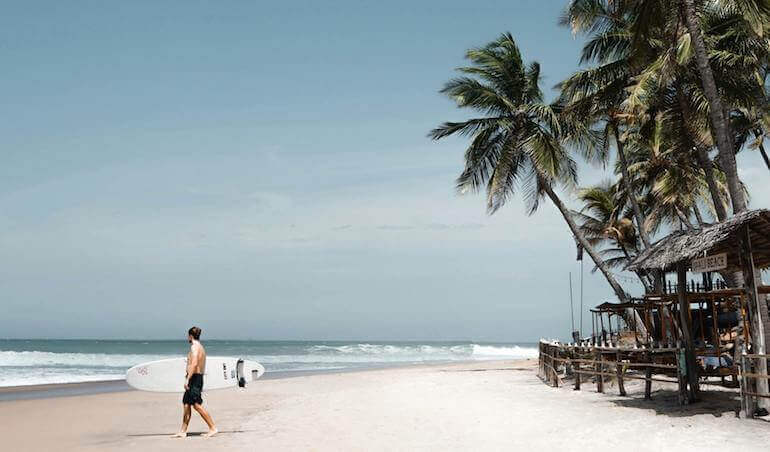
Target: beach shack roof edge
721 237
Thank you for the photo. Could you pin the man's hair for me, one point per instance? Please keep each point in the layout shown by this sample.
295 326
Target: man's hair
195 332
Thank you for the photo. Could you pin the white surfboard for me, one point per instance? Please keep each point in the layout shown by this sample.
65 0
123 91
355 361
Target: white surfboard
167 375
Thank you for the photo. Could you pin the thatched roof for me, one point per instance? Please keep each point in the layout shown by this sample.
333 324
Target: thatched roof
717 238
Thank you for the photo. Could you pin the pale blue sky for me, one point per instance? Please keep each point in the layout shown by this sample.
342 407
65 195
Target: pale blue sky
262 170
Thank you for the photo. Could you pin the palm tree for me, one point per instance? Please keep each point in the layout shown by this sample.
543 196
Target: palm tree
751 126
655 49
596 94
673 184
755 15
516 142
606 223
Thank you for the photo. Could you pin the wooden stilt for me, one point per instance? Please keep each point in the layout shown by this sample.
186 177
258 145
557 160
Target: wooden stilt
690 367
599 370
648 384
747 404
619 366
755 315
554 363
577 376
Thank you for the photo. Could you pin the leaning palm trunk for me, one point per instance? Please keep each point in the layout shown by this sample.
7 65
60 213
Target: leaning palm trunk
627 183
632 317
600 264
762 150
716 111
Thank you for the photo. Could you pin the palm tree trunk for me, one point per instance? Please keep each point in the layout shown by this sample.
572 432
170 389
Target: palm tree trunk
619 292
762 150
721 128
708 172
632 317
698 216
627 183
716 112
683 218
703 159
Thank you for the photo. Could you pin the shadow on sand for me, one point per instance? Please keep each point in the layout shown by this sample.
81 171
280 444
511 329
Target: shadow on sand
485 370
221 432
666 402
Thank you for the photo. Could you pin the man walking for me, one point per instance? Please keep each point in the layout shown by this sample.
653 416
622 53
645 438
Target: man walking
192 398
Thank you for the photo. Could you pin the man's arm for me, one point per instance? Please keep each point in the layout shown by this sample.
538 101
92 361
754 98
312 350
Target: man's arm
192 364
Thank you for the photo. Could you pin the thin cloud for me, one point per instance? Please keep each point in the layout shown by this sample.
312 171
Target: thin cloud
395 227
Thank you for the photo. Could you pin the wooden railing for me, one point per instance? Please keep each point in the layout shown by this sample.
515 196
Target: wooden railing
557 361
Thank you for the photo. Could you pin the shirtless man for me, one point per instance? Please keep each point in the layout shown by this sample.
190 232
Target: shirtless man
196 365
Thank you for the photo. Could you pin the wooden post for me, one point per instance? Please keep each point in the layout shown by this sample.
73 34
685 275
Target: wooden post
621 388
633 327
577 375
755 312
648 384
649 323
549 367
540 360
746 404
553 366
715 325
602 332
599 370
685 325
681 378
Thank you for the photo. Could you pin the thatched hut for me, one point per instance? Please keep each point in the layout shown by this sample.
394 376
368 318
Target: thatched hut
736 248
684 246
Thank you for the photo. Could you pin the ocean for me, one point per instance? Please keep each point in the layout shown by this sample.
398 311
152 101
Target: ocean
37 361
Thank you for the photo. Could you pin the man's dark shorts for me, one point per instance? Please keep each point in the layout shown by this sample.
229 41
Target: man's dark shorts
193 395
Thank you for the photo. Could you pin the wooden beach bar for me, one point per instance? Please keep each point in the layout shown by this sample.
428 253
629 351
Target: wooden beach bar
686 332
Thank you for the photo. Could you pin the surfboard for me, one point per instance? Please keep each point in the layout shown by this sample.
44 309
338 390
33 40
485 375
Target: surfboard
167 375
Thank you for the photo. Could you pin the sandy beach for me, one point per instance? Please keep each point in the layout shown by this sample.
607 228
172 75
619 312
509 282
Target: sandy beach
493 405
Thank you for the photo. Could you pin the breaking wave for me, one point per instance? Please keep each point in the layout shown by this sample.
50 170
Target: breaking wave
25 367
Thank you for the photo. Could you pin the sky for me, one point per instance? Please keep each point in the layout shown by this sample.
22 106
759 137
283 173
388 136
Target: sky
261 169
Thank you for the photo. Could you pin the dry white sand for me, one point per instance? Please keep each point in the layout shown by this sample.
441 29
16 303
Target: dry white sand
480 406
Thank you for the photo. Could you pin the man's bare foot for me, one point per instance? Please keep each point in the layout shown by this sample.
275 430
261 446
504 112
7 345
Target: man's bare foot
210 433
180 435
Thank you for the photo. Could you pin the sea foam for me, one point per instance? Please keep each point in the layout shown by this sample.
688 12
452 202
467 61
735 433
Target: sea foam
68 364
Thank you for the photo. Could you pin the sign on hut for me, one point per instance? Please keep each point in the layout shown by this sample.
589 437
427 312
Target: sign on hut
709 263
